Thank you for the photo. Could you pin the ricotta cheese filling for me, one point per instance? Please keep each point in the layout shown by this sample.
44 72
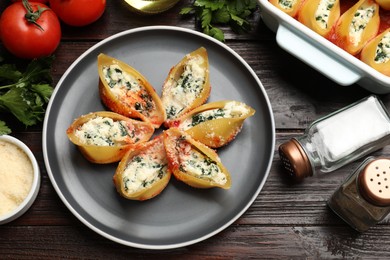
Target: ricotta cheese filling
194 162
128 89
359 22
383 49
187 88
16 177
104 131
145 169
323 11
232 109
287 4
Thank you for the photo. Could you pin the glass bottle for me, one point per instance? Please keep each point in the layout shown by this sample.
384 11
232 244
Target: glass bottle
363 199
337 139
150 7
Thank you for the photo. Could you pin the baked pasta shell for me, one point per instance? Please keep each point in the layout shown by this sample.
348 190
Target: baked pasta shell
321 24
215 124
187 85
290 7
193 162
374 53
385 4
126 91
143 172
111 145
345 38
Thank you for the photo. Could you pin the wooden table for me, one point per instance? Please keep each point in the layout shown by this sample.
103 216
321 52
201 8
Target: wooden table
287 220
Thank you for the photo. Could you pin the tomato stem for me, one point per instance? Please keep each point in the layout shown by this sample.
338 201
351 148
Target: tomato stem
31 15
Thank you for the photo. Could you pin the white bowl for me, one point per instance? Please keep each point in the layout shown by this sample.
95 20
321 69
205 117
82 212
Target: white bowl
321 54
31 196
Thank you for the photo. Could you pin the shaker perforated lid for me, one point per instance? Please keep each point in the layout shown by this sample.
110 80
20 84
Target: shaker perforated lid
374 182
295 160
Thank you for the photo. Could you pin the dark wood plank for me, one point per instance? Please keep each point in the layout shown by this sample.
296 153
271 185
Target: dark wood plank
265 242
287 220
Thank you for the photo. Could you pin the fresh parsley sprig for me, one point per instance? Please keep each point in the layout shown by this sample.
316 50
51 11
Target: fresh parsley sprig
25 94
4 129
229 12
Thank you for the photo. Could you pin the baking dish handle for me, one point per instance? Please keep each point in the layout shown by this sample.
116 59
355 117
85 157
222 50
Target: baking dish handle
315 57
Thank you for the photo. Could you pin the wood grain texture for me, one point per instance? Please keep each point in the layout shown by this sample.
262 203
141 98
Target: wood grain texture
287 220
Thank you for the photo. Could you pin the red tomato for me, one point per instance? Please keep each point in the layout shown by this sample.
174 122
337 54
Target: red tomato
25 39
78 12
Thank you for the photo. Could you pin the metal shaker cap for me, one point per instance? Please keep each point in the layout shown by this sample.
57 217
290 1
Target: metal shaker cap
374 182
295 160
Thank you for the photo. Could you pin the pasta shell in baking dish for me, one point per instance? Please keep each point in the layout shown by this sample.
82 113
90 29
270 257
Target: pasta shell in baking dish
376 53
187 85
385 4
357 26
143 172
215 124
126 91
193 162
320 15
290 7
104 136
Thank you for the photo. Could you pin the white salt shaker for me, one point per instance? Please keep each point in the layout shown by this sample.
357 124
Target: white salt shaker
337 139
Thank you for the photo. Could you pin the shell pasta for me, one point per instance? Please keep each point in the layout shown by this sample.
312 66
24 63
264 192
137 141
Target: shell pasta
186 146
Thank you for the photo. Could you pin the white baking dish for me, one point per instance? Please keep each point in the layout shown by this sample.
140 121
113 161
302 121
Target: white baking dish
321 54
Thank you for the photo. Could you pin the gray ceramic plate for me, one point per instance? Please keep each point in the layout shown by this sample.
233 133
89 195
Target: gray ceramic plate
180 215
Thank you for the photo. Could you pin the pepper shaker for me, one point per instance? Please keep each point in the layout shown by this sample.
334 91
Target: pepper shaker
337 139
363 199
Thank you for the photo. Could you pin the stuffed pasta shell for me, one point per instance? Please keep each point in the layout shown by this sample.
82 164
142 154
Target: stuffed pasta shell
376 53
320 15
143 172
187 85
290 7
193 162
215 124
385 4
126 91
357 26
104 137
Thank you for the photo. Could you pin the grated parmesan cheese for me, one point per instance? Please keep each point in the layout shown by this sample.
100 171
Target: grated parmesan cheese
16 176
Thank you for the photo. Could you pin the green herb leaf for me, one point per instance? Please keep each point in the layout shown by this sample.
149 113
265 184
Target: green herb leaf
227 12
16 103
9 72
217 34
4 129
221 16
206 17
38 70
44 90
186 10
210 4
25 94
